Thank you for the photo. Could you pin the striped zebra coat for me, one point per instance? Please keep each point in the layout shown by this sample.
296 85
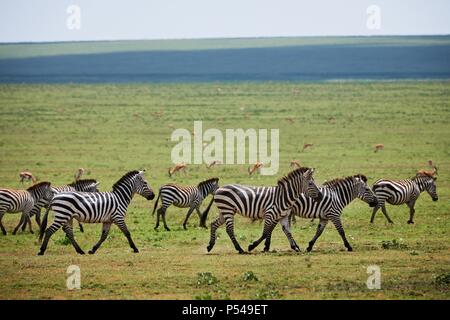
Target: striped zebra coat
337 194
184 197
268 203
25 201
397 192
85 185
96 207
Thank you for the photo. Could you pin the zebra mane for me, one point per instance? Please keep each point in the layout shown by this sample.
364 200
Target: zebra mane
293 174
424 174
207 181
38 185
340 181
126 176
82 181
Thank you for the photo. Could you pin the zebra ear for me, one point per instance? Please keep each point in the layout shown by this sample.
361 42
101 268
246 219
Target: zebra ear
97 183
141 172
309 173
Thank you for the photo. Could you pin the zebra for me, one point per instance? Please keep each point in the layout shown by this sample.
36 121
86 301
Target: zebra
268 203
337 194
24 201
86 185
184 197
407 191
97 207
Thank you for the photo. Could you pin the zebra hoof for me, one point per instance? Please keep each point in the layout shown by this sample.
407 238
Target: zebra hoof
91 251
31 231
410 222
40 253
135 250
242 252
250 248
209 248
80 252
184 227
309 249
349 249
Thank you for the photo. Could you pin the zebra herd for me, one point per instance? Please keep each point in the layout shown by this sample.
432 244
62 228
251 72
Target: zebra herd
295 194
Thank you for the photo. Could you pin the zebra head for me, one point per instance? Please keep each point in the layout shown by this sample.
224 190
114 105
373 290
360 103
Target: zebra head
364 192
427 182
209 186
42 192
301 181
141 186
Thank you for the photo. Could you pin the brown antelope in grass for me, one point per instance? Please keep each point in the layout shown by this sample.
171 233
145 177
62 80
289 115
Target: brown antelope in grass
378 146
214 163
27 176
79 174
306 146
295 164
176 168
433 172
252 169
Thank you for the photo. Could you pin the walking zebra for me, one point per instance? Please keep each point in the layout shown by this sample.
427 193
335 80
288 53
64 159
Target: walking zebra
184 197
268 203
24 201
86 185
98 207
337 194
407 191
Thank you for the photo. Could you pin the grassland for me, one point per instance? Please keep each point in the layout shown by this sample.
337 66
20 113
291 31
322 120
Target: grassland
52 130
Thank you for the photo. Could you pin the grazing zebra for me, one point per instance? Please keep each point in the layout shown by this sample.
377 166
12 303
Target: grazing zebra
184 197
268 203
86 185
95 207
337 194
24 201
407 191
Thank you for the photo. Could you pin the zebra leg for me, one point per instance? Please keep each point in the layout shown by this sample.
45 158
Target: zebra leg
229 221
164 220
411 211
320 227
48 233
28 220
200 217
269 225
158 213
373 213
123 227
80 226
105 231
337 223
1 224
214 226
383 209
187 217
67 228
287 231
21 222
38 218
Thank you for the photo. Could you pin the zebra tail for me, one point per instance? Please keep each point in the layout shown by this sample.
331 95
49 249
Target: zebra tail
44 224
156 203
205 213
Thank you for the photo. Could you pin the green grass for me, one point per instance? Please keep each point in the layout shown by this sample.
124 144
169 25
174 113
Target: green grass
28 50
52 130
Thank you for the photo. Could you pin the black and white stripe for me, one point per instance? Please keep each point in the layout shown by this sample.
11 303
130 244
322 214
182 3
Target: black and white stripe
85 185
397 192
337 194
97 207
14 201
268 203
184 197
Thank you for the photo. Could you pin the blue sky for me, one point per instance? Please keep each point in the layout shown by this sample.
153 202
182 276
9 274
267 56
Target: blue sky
46 20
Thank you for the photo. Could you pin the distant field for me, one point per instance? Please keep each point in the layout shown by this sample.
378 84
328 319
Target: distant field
52 130
255 59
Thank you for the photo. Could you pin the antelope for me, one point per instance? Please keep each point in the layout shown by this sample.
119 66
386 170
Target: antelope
295 164
378 146
306 146
255 167
212 164
78 174
431 172
176 168
27 176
